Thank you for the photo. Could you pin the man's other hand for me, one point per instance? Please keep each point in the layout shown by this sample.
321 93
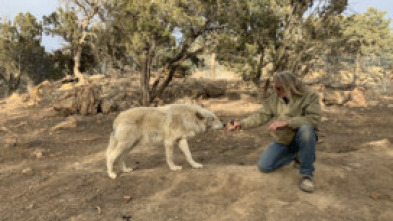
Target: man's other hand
277 124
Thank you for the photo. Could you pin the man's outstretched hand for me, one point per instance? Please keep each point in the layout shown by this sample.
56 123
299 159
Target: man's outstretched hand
233 125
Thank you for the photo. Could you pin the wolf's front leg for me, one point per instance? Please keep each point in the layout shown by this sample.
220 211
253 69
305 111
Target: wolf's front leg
169 156
183 145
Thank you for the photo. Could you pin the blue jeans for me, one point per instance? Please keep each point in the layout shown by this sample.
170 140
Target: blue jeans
302 146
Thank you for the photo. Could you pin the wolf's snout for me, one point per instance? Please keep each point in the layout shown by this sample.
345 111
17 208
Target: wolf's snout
218 125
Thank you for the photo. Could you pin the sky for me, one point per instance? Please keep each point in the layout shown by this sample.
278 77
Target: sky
10 8
39 8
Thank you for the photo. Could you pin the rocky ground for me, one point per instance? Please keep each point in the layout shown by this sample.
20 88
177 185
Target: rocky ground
53 168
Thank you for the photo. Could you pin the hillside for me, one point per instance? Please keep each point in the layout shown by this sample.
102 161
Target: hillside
53 171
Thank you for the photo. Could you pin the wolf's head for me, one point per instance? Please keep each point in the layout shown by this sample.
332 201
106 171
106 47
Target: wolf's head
211 120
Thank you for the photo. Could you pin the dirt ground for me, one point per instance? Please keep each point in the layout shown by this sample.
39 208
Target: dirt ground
60 174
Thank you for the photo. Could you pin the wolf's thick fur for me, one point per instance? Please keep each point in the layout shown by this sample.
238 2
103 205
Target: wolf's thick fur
169 125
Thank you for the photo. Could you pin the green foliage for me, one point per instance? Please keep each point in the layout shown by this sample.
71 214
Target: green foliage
142 25
252 37
368 33
21 53
74 24
277 35
63 24
170 33
61 64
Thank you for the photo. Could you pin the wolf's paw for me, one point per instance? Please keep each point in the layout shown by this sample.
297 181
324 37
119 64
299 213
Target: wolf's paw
112 175
127 170
175 168
197 166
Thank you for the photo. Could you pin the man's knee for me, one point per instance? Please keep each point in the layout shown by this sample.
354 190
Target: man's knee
306 132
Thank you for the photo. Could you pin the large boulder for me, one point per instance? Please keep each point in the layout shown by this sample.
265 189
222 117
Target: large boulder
358 98
83 99
194 89
333 97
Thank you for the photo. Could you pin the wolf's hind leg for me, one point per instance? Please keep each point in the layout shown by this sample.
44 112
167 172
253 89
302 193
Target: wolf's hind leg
123 165
183 145
113 155
110 156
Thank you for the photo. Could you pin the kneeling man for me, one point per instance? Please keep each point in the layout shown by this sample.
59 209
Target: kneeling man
296 112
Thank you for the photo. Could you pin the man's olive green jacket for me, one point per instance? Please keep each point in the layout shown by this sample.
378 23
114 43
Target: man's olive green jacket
301 110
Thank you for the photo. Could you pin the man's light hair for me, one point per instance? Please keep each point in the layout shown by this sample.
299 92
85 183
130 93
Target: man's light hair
290 83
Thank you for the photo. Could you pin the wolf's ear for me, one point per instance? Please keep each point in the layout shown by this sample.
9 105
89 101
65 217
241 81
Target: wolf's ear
199 116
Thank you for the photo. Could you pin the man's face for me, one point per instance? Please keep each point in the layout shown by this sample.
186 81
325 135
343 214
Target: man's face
279 89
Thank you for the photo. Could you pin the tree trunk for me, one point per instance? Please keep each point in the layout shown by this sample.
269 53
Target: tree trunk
13 83
82 40
357 69
77 60
168 79
145 78
258 74
213 66
170 70
384 80
171 67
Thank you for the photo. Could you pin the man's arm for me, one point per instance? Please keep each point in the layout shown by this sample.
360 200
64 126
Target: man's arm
312 114
260 117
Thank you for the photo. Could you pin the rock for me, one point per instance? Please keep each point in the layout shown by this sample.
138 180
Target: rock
375 195
70 122
97 76
78 166
193 89
88 99
354 165
386 216
10 141
334 97
4 129
83 99
127 198
135 103
66 107
379 145
66 87
27 171
373 103
99 211
124 105
39 153
213 91
107 106
357 98
37 93
158 101
318 87
161 102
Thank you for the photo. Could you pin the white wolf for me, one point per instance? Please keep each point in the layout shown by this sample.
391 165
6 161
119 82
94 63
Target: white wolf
169 125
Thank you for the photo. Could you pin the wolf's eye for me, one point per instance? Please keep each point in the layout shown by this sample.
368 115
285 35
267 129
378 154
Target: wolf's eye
199 116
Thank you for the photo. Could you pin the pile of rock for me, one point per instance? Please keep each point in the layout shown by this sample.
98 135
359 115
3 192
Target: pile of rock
348 98
83 99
